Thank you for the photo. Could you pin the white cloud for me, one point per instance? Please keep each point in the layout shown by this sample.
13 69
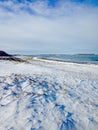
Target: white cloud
66 28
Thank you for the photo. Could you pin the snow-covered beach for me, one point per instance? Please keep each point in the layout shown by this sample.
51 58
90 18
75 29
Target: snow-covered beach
48 95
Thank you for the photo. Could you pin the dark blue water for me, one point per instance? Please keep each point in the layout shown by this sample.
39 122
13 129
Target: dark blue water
78 58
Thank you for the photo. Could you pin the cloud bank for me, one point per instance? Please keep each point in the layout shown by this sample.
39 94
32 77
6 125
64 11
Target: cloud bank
36 27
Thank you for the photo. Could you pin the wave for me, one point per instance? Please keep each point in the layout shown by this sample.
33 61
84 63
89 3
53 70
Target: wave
78 58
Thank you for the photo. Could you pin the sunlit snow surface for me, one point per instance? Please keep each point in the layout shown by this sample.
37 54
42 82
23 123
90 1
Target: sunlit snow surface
48 95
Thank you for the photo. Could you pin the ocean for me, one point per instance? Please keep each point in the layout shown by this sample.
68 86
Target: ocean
77 58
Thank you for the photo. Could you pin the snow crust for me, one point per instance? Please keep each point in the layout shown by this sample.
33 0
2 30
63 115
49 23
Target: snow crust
48 95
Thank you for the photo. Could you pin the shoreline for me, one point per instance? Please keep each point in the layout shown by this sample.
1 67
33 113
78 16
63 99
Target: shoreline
68 61
58 60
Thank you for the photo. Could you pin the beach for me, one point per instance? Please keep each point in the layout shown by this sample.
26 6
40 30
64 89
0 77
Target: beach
44 94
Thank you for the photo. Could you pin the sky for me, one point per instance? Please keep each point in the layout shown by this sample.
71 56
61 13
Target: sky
49 26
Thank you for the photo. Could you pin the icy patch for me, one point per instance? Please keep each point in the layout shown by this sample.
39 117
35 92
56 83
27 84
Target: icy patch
41 102
48 95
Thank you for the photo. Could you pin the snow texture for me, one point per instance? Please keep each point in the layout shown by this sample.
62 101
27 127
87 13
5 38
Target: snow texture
48 95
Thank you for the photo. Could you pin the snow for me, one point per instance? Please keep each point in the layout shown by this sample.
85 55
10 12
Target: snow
48 95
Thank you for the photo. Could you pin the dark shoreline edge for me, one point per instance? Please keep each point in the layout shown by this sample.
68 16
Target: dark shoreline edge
11 58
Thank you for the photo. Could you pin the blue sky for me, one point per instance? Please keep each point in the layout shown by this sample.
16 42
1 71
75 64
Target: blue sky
49 26
54 2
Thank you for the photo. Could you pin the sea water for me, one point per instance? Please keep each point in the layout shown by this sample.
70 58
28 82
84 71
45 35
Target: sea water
78 58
